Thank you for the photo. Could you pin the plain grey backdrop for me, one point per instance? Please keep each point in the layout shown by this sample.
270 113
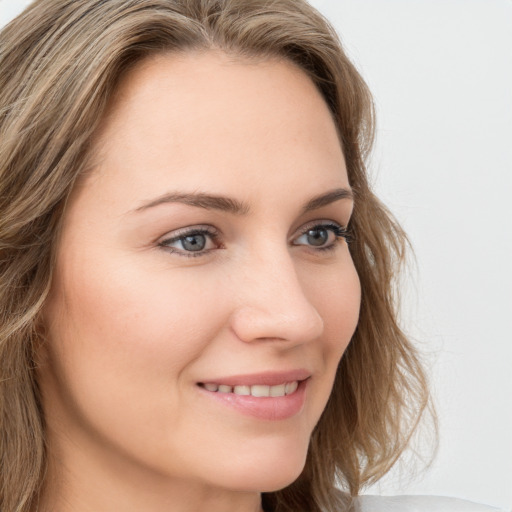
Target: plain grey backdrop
441 74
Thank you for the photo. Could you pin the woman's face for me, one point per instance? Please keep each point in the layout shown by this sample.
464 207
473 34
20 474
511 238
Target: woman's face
202 264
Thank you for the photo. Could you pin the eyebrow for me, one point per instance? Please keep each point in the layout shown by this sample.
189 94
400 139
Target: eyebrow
328 198
200 200
236 207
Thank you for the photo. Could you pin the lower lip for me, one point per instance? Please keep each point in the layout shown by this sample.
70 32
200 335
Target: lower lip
264 408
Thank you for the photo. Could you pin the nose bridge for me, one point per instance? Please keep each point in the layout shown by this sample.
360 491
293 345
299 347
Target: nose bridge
272 301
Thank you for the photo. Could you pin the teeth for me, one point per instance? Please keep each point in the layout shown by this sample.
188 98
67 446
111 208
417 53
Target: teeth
277 390
258 390
242 390
291 387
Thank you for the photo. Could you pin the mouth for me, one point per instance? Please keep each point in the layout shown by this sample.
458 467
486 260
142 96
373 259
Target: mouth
257 390
266 396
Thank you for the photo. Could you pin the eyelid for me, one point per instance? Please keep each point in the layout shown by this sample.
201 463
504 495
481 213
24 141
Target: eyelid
320 223
172 236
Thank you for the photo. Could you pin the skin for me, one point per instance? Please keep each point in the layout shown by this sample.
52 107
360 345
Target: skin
133 325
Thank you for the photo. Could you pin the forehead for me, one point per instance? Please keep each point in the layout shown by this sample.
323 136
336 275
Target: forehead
208 119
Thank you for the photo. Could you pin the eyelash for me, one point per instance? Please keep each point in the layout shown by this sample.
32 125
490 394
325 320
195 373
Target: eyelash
339 231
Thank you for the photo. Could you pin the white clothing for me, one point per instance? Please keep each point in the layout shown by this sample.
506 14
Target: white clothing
418 504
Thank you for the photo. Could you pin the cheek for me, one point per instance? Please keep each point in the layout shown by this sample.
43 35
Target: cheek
336 295
135 309
120 334
121 345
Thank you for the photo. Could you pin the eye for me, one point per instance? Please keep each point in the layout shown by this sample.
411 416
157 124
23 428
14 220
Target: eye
322 236
191 242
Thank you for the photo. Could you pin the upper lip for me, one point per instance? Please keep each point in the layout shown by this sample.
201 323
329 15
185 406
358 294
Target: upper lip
269 378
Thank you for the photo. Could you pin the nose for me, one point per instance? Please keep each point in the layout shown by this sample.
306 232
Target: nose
272 303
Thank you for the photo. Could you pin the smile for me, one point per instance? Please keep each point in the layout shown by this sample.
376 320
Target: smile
257 390
269 396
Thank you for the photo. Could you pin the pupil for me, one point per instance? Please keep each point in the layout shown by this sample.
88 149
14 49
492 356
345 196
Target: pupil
194 242
317 236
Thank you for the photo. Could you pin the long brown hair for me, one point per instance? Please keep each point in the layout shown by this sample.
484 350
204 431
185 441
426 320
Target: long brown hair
60 63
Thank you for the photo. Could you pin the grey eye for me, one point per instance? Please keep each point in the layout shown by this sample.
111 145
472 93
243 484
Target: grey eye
322 236
195 242
191 243
317 236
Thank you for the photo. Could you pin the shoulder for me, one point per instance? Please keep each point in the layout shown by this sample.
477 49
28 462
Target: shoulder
418 504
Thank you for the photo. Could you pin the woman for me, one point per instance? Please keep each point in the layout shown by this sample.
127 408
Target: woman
197 304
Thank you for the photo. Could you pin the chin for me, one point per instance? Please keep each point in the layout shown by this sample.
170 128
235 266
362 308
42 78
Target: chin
268 472
280 481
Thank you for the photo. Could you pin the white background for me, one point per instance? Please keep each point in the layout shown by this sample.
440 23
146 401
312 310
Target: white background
441 74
